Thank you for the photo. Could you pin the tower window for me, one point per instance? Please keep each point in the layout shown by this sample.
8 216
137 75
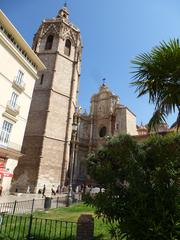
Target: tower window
102 132
42 78
67 48
49 42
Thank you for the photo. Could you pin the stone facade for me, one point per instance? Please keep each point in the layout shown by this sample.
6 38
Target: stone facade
46 145
108 117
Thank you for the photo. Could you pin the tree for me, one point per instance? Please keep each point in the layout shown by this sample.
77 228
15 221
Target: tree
141 183
158 74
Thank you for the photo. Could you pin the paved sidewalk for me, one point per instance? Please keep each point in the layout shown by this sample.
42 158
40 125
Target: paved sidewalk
23 197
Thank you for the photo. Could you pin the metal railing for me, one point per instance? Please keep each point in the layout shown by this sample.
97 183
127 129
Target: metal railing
29 206
18 223
19 84
15 108
28 227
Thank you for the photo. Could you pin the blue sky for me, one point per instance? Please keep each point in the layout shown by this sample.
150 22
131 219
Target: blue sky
113 33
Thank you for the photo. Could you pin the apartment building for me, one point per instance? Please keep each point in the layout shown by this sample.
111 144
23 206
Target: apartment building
18 72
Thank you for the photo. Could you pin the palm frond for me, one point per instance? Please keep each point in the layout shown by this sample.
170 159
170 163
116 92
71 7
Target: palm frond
158 118
157 74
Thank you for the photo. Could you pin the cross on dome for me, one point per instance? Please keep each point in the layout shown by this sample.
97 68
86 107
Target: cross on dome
104 80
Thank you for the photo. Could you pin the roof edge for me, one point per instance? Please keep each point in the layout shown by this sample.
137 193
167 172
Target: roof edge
10 27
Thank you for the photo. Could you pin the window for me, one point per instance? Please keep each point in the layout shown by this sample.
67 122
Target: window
13 100
5 131
49 42
67 48
19 77
102 132
42 78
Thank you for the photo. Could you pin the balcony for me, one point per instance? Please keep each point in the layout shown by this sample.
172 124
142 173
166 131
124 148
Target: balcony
18 85
12 110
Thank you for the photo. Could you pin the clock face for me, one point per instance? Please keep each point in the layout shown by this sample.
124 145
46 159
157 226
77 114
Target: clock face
102 131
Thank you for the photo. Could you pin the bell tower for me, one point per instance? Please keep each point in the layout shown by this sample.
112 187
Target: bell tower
46 145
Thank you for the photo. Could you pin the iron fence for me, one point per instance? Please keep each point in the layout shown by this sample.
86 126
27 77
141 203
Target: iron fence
17 227
29 206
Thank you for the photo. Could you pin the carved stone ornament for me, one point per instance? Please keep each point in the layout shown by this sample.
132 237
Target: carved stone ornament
67 32
51 28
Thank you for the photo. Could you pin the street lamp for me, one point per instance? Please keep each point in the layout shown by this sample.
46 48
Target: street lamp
72 157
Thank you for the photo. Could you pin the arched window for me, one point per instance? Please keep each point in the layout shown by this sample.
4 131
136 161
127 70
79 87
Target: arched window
102 132
67 48
49 42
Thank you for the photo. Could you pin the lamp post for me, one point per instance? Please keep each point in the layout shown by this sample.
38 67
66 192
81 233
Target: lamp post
72 157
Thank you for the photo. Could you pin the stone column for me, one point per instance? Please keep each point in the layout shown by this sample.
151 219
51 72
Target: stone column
85 227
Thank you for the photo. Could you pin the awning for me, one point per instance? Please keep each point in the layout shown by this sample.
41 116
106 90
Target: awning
2 164
5 173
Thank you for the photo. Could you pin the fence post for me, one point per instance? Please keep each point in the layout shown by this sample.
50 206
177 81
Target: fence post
14 208
29 229
85 227
32 208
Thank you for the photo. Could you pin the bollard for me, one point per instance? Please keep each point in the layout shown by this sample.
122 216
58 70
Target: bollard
85 227
47 203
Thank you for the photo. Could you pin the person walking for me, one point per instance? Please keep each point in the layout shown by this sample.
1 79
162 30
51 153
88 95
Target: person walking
44 190
1 188
28 190
53 192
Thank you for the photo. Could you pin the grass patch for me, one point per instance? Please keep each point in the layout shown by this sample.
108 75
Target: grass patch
54 224
72 214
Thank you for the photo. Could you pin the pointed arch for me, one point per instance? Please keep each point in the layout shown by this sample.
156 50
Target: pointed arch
67 47
49 42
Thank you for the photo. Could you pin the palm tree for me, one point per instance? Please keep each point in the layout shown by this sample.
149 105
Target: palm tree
158 74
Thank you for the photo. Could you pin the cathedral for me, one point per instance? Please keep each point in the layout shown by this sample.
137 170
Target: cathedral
51 144
107 117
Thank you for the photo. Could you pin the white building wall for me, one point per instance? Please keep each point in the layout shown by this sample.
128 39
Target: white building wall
9 68
15 55
125 122
131 123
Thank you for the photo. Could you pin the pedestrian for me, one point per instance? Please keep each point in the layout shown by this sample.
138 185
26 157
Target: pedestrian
53 192
28 189
44 190
58 191
39 191
77 189
1 188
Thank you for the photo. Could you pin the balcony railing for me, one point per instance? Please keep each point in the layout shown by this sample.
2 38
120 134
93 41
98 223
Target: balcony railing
19 85
13 110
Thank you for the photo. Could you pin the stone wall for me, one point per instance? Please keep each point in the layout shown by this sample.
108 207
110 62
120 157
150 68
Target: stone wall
52 108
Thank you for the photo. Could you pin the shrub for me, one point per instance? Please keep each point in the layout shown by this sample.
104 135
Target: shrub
141 184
